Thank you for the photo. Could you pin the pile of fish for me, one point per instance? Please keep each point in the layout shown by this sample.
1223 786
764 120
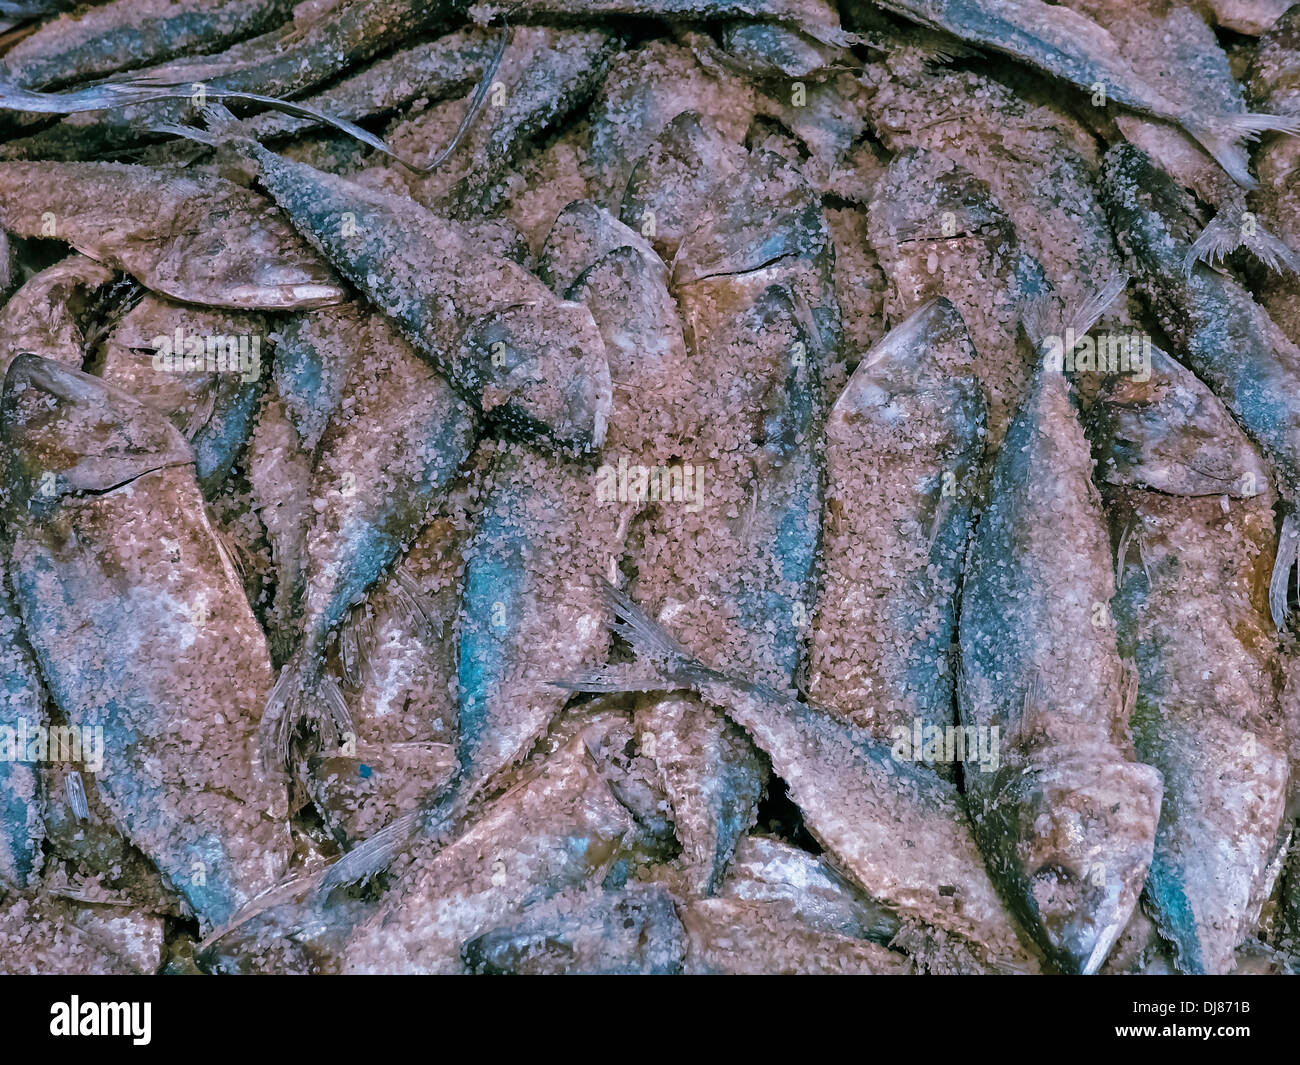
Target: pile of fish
649 486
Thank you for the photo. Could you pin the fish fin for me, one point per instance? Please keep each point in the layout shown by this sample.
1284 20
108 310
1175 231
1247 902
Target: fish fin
337 719
355 637
1082 318
663 663
475 105
1046 315
374 854
200 415
186 132
1288 554
1129 682
223 129
414 603
1220 238
295 701
1225 137
74 790
301 110
233 553
1121 555
377 852
275 731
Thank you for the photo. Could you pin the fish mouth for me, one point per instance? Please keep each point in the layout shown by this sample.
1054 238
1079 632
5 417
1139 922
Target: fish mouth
1072 842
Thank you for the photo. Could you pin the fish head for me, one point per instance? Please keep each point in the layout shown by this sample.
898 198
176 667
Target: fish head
926 196
672 185
1171 434
271 268
1072 841
583 233
543 371
769 50
69 432
764 213
933 218
920 354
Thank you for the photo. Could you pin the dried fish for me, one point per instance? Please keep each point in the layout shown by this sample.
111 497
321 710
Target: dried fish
1227 339
543 76
380 468
90 458
131 33
435 70
202 368
1039 163
938 231
1067 819
645 90
559 829
193 238
898 831
1196 74
1073 48
532 363
398 656
904 448
48 315
1192 610
318 46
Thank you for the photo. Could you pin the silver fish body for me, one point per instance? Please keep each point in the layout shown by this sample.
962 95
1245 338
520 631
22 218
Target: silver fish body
1189 498
1067 820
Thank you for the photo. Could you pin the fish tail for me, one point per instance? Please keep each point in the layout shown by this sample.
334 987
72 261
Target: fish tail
221 128
1047 316
1225 137
1288 555
301 697
1221 238
662 663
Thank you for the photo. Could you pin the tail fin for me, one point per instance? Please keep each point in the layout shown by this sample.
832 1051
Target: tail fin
301 697
1048 316
662 664
1225 136
221 128
1221 238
